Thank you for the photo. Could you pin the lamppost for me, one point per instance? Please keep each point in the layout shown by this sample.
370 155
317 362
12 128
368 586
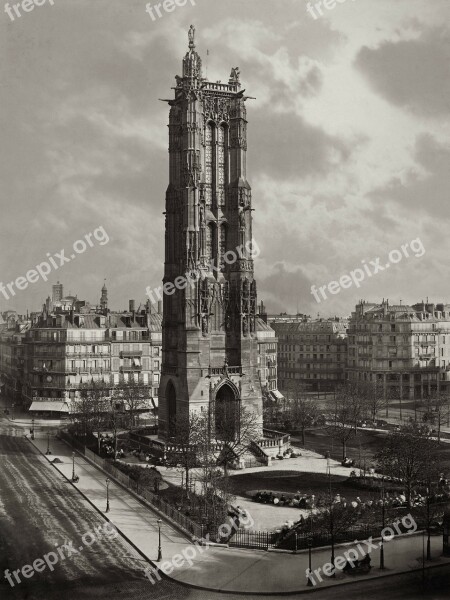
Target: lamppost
423 559
73 466
428 523
12 412
159 541
383 523
331 516
48 443
107 495
310 583
202 526
32 429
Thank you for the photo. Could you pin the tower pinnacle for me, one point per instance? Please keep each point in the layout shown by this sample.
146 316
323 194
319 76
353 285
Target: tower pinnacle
192 63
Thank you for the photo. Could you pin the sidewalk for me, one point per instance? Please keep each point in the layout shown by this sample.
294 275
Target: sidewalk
217 568
24 419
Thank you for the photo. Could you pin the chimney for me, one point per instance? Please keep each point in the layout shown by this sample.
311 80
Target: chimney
131 306
160 307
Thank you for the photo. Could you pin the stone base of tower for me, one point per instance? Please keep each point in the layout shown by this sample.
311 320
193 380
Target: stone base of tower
202 390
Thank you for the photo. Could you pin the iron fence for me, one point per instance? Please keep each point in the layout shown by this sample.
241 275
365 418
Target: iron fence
259 540
169 511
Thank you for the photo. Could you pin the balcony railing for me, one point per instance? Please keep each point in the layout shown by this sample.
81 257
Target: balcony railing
88 371
131 368
221 371
130 353
54 371
87 354
60 386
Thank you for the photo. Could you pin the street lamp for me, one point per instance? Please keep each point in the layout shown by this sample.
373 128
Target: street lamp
107 495
423 559
73 467
310 583
428 523
383 523
48 443
32 429
331 517
159 541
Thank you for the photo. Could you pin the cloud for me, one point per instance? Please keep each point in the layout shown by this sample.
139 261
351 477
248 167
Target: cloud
300 149
341 165
413 74
280 284
424 188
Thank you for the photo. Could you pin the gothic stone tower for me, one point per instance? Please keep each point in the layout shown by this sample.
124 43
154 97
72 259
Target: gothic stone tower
210 357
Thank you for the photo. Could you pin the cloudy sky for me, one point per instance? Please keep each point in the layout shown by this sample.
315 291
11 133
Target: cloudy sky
349 142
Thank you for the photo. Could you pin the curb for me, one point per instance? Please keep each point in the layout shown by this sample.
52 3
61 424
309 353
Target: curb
90 502
218 590
136 496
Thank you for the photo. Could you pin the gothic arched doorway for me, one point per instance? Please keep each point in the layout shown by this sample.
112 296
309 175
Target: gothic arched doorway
171 400
226 413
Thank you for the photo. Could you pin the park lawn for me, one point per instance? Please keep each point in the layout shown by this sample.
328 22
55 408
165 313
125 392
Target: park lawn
246 484
364 444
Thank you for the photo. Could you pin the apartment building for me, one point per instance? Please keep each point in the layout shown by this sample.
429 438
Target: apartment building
13 328
267 357
70 345
311 352
406 348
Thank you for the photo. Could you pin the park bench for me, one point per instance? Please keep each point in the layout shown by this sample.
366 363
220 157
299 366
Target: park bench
358 567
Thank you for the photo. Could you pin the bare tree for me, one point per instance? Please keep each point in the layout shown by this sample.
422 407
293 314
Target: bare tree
373 398
90 409
410 455
438 410
236 427
190 440
303 412
133 395
335 519
348 410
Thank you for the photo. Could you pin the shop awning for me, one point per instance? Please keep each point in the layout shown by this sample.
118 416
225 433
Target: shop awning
49 407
